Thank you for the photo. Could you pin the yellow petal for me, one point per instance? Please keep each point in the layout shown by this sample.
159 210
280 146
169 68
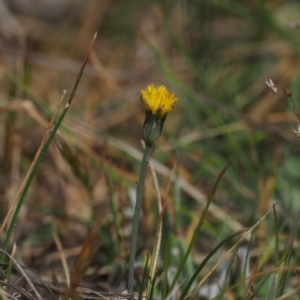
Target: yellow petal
158 100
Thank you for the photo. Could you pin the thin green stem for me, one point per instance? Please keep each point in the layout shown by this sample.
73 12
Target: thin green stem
35 166
53 127
137 212
31 174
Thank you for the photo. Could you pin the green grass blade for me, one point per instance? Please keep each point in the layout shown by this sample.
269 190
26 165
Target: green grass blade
199 225
272 292
287 254
276 237
274 279
158 235
166 267
144 279
226 255
136 217
53 127
153 281
206 259
19 200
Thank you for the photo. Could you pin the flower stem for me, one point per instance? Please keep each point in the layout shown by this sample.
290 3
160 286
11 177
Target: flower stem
137 212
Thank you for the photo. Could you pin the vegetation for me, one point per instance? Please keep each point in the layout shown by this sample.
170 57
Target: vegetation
219 196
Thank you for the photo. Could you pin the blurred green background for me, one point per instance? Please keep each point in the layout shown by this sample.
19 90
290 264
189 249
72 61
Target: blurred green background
215 56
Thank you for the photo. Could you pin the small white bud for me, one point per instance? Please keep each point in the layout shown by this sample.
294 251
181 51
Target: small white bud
272 86
297 132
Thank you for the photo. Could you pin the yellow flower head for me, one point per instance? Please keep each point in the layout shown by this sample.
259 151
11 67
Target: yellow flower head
158 100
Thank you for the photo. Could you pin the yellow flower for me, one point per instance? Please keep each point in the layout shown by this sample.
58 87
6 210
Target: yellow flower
158 100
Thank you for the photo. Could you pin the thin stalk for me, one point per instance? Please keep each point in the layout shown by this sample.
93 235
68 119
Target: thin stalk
30 175
225 256
137 212
24 275
158 235
197 230
53 127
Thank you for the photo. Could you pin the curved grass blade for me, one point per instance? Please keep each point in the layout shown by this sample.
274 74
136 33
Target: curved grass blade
199 225
144 279
166 267
153 281
271 295
51 131
287 254
272 292
227 254
276 237
158 235
206 259
25 276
